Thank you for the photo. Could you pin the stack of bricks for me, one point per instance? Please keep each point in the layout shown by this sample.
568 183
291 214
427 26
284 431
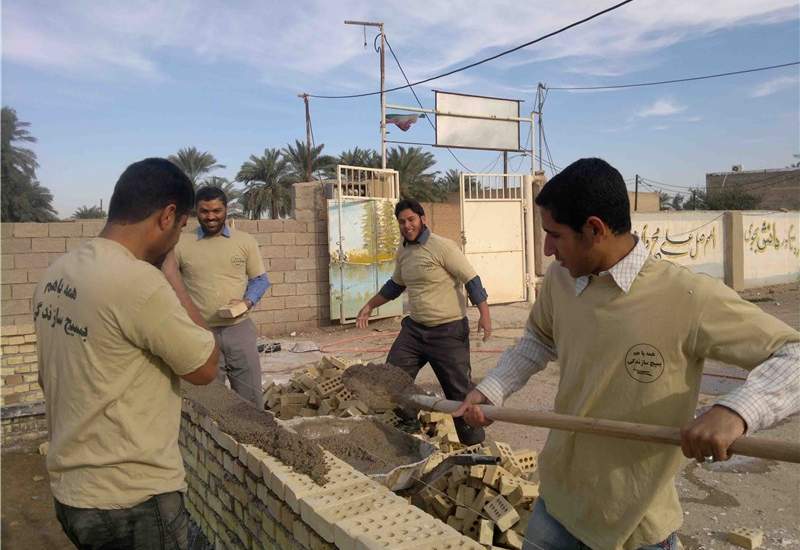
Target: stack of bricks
18 385
241 497
490 504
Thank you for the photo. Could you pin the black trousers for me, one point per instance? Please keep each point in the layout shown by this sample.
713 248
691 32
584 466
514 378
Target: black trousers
446 348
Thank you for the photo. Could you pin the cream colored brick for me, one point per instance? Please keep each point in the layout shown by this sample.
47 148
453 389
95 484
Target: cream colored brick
746 537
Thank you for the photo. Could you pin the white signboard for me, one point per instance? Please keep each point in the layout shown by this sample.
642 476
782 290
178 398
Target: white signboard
476 133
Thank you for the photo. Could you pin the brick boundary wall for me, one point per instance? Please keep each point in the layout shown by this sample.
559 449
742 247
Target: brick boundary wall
241 497
295 253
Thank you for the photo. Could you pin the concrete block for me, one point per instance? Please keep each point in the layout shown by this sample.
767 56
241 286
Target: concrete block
522 493
323 512
511 539
501 512
746 537
465 496
508 483
528 460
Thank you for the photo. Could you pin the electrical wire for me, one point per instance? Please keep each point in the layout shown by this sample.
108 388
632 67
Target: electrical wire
481 61
410 87
676 80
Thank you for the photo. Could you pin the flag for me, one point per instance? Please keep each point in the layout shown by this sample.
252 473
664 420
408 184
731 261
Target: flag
403 122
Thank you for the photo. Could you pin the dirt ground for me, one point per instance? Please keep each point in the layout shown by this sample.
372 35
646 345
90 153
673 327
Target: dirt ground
716 498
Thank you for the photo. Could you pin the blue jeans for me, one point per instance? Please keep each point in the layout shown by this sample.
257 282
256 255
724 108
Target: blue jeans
544 532
161 522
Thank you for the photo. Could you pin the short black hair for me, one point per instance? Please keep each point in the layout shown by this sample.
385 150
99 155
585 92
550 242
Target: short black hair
147 186
409 204
210 193
588 187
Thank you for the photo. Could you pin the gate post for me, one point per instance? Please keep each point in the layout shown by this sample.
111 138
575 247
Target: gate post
530 245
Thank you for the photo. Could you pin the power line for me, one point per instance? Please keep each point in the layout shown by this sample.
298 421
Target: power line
687 79
410 87
482 61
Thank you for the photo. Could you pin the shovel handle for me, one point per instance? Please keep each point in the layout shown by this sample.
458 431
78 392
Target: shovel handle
758 447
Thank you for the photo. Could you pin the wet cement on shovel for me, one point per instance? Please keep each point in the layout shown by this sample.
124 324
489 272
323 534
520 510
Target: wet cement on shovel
251 426
381 386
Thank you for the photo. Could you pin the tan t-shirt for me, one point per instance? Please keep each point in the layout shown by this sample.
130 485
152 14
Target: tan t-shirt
636 357
216 270
434 274
113 340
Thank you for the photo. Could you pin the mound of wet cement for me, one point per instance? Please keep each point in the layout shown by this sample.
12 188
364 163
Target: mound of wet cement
249 425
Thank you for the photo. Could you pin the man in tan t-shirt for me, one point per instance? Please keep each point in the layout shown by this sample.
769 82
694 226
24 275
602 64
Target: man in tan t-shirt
115 337
435 272
222 267
630 334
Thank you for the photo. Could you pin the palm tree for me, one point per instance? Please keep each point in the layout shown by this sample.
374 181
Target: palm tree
413 164
195 164
368 158
265 180
89 213
450 182
297 156
664 200
233 193
23 198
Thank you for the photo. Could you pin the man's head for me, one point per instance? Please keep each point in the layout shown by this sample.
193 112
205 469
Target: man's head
410 217
212 208
154 197
585 210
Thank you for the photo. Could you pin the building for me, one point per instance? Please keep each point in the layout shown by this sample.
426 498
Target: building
777 187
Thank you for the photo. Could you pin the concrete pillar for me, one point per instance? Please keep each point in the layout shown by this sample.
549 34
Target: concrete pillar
530 244
734 249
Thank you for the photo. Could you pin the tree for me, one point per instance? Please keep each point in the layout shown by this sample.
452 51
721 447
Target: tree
677 201
89 213
23 198
730 198
368 158
266 188
195 164
297 156
450 182
663 200
412 165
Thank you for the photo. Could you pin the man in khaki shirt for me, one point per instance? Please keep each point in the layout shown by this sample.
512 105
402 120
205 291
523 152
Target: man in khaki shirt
435 273
222 266
631 334
115 336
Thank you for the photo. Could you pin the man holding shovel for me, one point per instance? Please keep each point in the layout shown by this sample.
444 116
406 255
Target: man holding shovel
435 272
631 334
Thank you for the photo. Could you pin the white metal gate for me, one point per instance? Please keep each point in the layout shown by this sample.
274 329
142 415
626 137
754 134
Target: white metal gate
363 237
493 233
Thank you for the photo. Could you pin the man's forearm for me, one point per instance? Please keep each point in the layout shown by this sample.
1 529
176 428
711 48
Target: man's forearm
483 308
377 301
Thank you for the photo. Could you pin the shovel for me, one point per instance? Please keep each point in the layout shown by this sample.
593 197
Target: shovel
758 447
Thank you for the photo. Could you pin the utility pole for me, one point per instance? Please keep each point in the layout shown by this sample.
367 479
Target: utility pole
539 107
636 195
309 174
383 78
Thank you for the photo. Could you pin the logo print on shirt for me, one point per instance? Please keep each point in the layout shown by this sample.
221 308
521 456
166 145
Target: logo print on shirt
238 261
644 363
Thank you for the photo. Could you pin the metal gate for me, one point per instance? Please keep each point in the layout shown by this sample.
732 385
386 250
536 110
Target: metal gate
493 233
363 237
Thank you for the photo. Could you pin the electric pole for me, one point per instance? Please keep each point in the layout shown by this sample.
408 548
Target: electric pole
383 76
539 107
309 171
636 195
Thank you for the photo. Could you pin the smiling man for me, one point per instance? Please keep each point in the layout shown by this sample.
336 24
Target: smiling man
630 334
435 273
222 266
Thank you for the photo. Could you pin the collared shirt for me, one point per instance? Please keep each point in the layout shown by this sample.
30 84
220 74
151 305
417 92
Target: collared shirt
771 391
256 286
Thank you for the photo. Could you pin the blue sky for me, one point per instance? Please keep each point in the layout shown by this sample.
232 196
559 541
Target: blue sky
107 83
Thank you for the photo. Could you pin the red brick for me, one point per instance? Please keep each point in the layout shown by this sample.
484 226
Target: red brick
23 291
12 276
270 226
283 289
30 230
15 246
66 229
13 380
38 260
297 251
50 244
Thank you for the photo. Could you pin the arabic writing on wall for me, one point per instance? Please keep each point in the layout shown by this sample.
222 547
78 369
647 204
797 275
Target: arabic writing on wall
689 244
764 237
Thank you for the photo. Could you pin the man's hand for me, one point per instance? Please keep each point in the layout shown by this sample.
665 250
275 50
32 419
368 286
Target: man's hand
485 321
473 415
710 434
235 301
363 316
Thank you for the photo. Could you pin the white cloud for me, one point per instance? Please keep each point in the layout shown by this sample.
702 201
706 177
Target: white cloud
774 86
661 107
304 45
